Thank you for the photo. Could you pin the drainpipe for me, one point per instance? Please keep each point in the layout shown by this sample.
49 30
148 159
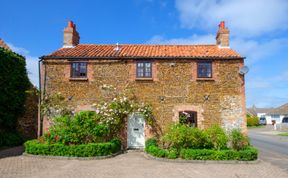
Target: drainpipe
40 125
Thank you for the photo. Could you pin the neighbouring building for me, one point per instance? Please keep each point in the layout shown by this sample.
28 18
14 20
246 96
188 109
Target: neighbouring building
4 45
277 114
201 80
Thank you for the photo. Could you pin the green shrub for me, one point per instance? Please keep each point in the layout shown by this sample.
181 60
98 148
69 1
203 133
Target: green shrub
156 151
172 154
252 121
217 137
182 136
151 141
10 139
83 128
83 150
14 82
247 154
238 140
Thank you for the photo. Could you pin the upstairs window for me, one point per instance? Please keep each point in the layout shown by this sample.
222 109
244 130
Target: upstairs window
144 69
79 70
204 69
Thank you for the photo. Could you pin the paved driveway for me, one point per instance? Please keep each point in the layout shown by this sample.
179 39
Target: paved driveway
132 164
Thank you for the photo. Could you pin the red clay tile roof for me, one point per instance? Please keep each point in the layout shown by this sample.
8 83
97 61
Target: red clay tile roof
144 51
3 44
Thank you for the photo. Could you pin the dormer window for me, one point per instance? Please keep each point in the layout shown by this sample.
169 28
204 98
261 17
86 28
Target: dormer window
79 70
144 69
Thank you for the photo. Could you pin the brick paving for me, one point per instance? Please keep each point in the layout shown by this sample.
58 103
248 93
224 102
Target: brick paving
131 164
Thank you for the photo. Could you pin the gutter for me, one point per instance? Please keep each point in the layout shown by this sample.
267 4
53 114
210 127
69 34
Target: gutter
131 57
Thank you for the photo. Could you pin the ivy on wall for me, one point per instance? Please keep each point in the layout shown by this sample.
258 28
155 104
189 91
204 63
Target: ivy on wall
13 84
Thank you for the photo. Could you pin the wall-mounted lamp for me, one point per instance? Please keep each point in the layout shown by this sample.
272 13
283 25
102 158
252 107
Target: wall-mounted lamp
161 98
206 97
172 64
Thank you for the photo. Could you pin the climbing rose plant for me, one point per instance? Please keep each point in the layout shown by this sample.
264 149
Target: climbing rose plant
115 112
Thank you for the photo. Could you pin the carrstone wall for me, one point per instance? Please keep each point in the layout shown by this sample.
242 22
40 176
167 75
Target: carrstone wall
174 87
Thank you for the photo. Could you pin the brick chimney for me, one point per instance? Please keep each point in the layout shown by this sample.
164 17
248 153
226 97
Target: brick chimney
222 37
71 36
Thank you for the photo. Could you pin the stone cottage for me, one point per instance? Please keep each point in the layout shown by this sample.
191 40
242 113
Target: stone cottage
201 81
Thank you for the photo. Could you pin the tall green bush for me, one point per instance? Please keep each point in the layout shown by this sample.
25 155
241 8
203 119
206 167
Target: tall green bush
182 136
217 137
82 128
13 84
252 121
238 140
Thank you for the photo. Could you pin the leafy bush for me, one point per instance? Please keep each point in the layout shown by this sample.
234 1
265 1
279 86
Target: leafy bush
10 139
83 128
150 142
156 151
248 154
14 82
217 137
182 136
238 140
83 150
252 121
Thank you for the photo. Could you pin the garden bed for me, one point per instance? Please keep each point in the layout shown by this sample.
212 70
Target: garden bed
83 150
247 154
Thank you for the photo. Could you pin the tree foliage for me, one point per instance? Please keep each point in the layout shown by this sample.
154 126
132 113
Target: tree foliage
13 84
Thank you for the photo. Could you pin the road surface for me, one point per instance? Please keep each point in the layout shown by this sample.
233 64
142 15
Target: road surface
272 148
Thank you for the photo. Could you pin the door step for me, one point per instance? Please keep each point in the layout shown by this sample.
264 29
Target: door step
135 150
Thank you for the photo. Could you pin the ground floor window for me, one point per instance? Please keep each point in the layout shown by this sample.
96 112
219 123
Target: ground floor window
275 117
188 117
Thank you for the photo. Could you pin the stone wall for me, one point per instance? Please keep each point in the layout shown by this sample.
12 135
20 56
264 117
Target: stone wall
27 122
174 87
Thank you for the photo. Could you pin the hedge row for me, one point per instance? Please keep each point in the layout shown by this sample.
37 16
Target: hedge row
247 154
85 150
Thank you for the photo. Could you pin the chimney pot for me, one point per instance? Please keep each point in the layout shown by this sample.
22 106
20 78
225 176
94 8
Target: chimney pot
71 36
222 37
222 25
70 23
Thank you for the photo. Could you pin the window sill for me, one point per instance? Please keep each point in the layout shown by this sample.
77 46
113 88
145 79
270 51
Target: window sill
78 79
144 79
205 79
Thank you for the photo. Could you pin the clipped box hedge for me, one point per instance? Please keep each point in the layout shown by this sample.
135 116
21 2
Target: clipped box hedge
247 154
84 150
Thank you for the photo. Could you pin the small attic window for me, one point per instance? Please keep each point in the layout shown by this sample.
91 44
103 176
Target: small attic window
79 70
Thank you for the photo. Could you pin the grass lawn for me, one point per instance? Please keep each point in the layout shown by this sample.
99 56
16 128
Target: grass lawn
283 134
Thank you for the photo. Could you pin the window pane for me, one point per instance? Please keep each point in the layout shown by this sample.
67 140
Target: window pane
204 69
144 69
79 69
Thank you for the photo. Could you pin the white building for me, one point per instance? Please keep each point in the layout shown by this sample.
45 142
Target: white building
270 114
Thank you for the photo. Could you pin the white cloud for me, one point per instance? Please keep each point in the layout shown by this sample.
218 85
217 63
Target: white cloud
31 63
255 50
244 17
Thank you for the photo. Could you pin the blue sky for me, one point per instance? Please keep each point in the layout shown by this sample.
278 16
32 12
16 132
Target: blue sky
258 30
